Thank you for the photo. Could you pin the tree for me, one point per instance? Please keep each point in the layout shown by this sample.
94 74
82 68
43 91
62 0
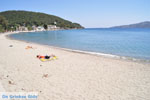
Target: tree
1 28
45 26
3 23
29 28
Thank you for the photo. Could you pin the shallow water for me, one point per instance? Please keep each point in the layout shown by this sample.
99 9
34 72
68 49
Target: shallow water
133 43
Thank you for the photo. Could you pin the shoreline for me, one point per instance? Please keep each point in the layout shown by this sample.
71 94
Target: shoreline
85 52
72 76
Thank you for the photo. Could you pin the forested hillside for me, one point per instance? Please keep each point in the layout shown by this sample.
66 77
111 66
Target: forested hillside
13 19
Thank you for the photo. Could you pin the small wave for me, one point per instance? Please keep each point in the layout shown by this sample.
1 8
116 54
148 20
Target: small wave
102 54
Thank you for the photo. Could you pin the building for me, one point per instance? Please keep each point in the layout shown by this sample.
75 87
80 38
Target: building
34 28
22 28
52 27
40 28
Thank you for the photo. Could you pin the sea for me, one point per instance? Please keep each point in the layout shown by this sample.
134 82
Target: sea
115 42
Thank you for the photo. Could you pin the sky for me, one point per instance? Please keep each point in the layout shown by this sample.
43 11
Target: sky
89 13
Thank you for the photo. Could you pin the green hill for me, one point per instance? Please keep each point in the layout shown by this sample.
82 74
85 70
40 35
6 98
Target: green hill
28 19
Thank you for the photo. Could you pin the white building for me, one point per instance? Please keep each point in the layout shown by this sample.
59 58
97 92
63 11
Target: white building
22 28
40 28
52 27
34 28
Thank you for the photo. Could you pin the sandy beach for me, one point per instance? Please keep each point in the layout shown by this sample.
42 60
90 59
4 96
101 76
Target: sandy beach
73 76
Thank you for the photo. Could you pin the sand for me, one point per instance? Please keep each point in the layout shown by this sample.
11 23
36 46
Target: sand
73 76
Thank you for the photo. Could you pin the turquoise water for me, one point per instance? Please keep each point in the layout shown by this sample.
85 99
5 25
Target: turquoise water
133 43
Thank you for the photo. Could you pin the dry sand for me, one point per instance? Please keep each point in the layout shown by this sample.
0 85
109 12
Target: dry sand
73 76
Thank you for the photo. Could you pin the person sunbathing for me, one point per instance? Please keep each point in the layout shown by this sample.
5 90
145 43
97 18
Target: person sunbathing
45 57
29 47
